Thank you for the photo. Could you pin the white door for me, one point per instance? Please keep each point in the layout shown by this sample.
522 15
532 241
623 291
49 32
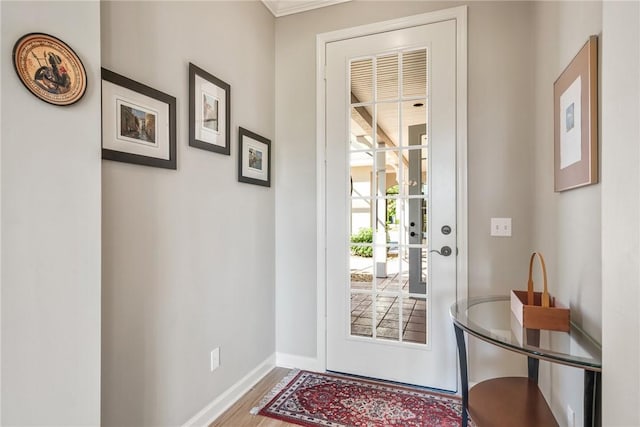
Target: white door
390 203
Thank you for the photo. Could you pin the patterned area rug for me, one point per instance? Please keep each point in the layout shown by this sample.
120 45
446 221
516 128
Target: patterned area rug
313 399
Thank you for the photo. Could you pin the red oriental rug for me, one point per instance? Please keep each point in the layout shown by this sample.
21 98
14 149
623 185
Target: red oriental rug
313 399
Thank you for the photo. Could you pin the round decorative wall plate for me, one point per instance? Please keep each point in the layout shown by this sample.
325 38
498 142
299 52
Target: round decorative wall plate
49 68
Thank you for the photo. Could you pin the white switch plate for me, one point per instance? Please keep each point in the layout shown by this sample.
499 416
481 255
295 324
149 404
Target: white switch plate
215 358
501 227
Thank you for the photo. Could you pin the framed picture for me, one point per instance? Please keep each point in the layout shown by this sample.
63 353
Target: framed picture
138 123
209 112
49 68
254 159
575 109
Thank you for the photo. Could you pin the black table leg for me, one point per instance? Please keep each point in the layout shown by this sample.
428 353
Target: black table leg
464 379
592 398
533 365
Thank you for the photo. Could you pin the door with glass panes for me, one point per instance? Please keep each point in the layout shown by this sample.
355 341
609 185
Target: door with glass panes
391 204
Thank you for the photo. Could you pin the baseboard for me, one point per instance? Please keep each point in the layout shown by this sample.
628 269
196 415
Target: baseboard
291 361
223 402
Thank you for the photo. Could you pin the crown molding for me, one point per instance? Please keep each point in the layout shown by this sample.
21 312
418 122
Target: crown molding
288 7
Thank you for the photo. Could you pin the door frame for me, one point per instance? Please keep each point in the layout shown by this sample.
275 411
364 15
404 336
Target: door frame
459 14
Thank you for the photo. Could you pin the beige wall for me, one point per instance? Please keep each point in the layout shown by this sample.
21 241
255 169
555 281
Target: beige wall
188 255
566 226
50 225
621 213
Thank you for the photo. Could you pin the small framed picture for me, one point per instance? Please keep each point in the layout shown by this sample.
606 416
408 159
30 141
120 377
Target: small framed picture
576 120
254 159
138 123
209 112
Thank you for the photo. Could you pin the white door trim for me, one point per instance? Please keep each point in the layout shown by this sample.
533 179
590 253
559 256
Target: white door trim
460 15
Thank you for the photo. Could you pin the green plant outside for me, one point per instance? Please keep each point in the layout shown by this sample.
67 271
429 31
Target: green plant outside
364 235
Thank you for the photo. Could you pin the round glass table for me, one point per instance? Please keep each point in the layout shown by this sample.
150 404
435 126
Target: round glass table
518 401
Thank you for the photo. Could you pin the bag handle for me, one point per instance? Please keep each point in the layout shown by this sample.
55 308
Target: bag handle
545 291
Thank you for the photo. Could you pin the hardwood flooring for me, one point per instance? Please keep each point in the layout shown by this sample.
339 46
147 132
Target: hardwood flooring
238 415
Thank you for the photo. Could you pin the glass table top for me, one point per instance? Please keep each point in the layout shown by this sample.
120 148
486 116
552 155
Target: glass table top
491 319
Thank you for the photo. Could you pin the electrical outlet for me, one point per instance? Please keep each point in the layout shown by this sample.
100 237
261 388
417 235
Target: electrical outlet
501 227
215 358
571 417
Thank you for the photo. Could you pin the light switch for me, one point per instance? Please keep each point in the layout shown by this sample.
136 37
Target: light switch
501 227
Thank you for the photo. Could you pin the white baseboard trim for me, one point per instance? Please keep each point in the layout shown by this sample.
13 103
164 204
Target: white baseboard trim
285 360
223 402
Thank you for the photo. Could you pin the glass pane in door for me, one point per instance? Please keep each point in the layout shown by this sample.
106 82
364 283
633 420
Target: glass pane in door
387 77
414 73
388 123
361 174
361 266
388 317
415 328
413 226
414 179
362 80
414 113
389 274
361 315
361 128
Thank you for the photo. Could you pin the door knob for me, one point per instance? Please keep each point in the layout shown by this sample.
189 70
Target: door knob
444 251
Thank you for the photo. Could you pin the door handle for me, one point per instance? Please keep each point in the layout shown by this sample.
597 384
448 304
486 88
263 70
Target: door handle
444 251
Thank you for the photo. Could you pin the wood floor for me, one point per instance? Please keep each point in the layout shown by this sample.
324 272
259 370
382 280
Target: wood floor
238 415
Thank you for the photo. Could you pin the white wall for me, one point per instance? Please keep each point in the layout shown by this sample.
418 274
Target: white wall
567 225
500 149
188 255
620 213
50 230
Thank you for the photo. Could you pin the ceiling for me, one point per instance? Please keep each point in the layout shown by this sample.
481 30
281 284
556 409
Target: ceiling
288 7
